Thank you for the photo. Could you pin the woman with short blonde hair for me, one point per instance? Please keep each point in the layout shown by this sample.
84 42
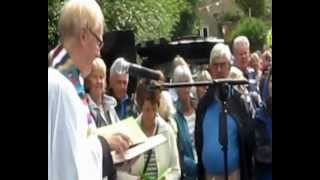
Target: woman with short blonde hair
101 105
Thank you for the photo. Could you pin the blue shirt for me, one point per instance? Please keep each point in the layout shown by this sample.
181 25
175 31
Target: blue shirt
212 154
125 108
121 108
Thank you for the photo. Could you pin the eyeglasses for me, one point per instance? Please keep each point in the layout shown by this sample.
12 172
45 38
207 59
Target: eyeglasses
223 65
100 42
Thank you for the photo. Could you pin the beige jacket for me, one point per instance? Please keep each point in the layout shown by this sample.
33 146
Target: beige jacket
166 154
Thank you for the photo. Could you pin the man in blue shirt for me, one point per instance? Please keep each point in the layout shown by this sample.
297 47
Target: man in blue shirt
119 80
240 127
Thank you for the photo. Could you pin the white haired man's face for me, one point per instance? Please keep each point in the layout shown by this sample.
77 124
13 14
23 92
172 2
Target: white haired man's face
119 85
242 55
220 68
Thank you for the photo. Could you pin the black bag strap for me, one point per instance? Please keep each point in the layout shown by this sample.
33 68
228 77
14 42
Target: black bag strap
149 154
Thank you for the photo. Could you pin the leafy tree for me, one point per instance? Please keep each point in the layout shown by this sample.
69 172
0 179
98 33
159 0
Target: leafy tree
54 7
257 7
148 19
189 19
269 38
255 29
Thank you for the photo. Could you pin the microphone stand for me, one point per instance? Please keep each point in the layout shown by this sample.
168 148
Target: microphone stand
164 86
224 94
223 91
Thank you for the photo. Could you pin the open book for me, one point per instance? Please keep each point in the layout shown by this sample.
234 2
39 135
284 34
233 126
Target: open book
138 149
140 142
128 126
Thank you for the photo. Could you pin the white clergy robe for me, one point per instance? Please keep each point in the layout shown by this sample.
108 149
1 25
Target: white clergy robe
72 155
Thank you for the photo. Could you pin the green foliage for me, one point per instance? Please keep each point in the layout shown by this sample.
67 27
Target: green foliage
269 38
148 19
189 20
269 8
54 7
258 7
231 16
255 29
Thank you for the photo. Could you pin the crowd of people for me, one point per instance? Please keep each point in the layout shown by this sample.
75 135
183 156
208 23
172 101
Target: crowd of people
80 101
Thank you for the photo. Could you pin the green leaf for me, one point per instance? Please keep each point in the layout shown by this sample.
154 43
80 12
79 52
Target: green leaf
255 29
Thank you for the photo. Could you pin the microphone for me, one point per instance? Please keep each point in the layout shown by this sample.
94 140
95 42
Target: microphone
121 65
141 71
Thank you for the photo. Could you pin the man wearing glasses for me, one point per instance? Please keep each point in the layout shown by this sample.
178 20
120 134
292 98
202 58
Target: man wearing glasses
207 129
74 150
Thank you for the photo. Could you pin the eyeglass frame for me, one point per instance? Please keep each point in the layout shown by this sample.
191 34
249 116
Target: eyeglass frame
100 42
222 65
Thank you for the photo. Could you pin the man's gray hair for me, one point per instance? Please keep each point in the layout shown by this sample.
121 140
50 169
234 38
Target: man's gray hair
241 41
220 51
119 67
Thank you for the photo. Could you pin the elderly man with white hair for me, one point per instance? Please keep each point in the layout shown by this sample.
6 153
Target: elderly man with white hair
119 80
74 150
241 51
239 126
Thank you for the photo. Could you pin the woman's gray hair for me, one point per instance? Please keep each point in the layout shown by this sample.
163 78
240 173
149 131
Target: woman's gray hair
178 61
203 75
182 73
220 51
